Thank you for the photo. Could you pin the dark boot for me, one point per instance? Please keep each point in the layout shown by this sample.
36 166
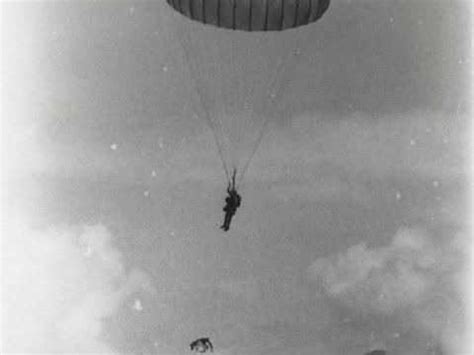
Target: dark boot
227 219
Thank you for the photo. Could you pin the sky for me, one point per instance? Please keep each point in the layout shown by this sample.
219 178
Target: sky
353 233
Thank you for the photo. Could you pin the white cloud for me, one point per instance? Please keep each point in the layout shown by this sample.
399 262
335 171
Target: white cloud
383 279
58 287
417 277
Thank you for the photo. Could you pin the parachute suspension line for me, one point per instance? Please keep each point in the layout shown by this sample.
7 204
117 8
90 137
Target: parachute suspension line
214 126
228 67
249 109
233 135
254 150
229 156
228 138
274 94
219 145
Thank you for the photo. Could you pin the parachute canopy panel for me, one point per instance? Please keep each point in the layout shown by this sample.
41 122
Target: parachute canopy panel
252 15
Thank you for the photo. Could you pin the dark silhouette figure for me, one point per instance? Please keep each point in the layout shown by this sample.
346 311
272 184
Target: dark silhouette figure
201 345
232 203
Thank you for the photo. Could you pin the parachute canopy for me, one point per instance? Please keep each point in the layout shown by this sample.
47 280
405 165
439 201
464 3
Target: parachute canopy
252 15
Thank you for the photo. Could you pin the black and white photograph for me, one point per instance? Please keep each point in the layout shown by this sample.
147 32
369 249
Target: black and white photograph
236 177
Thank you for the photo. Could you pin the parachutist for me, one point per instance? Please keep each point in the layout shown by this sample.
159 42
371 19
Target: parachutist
232 203
201 345
235 103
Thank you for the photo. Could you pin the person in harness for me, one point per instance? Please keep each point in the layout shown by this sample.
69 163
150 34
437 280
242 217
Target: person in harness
232 203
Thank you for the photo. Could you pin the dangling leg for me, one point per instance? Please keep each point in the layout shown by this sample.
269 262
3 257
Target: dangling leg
227 220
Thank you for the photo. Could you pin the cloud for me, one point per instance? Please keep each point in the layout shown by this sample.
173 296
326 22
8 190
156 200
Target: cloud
417 277
59 286
384 279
